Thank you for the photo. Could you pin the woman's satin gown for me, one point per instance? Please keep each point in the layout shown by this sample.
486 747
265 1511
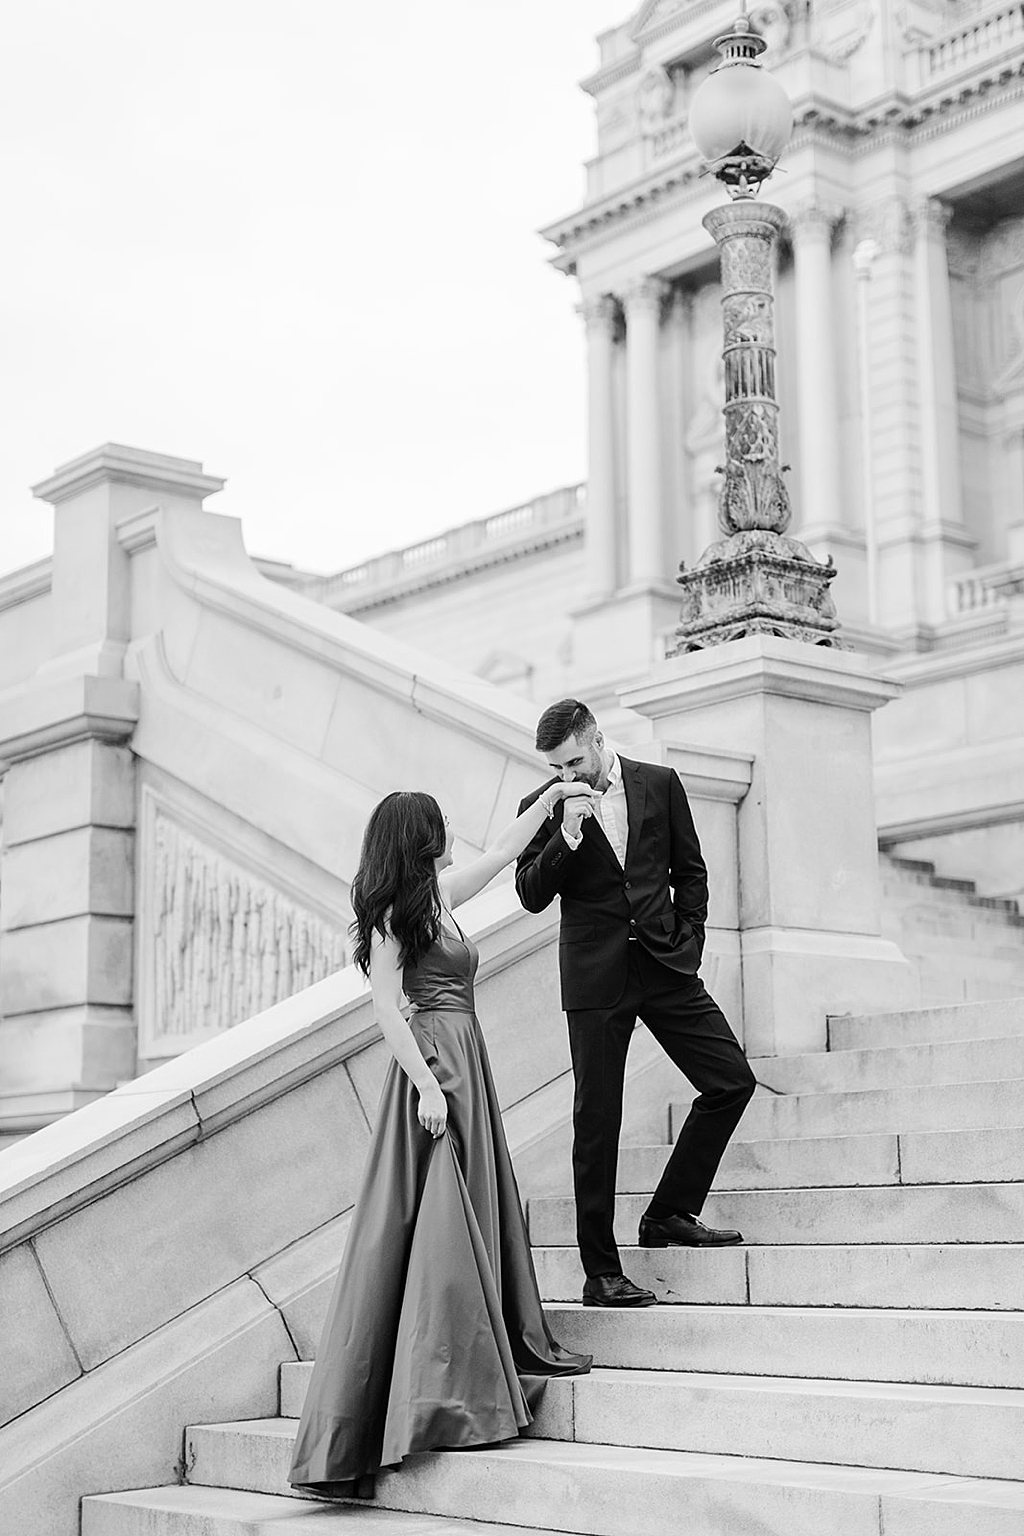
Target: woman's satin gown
435 1335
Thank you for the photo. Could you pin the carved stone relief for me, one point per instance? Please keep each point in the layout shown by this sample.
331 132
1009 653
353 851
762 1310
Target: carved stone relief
840 27
220 942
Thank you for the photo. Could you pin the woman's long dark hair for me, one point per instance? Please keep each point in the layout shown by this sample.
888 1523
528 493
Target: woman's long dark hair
396 882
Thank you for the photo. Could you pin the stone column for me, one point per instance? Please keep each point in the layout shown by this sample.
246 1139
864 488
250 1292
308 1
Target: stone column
820 460
67 1034
602 576
648 559
947 546
809 886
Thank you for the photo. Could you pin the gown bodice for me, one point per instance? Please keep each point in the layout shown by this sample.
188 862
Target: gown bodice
442 979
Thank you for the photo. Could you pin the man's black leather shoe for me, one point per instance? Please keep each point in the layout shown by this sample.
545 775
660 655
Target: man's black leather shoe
684 1232
615 1291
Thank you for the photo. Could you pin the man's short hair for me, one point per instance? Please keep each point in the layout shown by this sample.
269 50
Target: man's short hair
560 721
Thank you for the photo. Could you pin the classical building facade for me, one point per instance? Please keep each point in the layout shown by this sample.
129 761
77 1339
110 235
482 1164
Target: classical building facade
900 329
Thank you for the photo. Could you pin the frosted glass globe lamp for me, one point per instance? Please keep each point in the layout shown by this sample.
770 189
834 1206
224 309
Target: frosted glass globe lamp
740 116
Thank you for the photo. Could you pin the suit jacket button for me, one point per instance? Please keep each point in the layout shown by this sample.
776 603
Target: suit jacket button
628 886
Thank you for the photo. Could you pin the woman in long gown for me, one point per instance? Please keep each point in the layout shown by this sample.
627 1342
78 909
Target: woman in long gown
435 1335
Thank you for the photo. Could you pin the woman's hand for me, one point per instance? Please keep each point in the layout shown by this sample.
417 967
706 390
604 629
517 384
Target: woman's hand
433 1110
578 799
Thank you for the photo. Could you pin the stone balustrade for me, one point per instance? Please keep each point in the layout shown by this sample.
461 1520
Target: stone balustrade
991 34
468 542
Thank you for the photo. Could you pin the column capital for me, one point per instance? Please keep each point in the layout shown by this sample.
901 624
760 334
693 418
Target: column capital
930 218
814 219
600 311
888 222
645 293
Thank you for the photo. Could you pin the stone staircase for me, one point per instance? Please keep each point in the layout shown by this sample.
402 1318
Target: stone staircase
857 1369
965 947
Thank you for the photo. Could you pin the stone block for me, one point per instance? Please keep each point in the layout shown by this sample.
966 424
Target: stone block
962 1157
676 1275
88 783
779 1163
963 1432
968 1021
967 1213
300 1281
961 1106
249 671
959 1276
121 1267
66 963
412 751
954 1061
36 1359
793 977
71 874
987 1508
88 1047
229 1512
121 1426
973 1349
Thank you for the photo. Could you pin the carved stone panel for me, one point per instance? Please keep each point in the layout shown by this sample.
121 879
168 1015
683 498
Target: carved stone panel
218 941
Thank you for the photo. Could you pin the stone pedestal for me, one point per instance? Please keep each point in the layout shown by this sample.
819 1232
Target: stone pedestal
67 1032
809 884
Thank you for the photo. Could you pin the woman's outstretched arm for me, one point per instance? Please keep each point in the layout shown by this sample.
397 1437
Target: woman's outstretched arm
386 984
458 885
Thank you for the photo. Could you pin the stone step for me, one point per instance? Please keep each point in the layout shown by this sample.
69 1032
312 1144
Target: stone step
919 1157
922 1026
904 1066
959 1276
187 1511
954 1106
963 1431
959 1349
923 1213
632 1491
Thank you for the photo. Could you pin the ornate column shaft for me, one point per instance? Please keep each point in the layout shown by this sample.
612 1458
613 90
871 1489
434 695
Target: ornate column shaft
647 558
600 316
757 580
940 456
948 547
820 466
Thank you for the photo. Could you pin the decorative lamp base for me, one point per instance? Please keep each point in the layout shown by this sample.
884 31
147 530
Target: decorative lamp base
757 583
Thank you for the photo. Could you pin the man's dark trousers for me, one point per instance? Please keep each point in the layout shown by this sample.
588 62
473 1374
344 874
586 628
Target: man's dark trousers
691 1029
631 936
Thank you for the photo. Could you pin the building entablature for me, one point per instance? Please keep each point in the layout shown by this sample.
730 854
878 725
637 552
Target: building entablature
851 91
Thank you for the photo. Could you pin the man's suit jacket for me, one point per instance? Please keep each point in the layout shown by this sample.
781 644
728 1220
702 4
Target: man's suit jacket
659 898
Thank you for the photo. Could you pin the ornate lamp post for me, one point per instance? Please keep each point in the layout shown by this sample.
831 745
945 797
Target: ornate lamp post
757 580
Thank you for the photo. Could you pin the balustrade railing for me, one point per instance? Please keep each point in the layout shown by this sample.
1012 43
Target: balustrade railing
979 39
985 589
533 517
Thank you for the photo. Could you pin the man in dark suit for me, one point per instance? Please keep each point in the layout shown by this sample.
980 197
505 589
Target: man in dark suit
634 895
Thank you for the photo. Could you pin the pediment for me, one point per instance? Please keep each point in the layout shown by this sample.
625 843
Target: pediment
654 13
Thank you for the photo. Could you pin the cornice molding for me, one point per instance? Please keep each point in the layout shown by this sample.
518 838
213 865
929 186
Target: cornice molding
891 120
24 586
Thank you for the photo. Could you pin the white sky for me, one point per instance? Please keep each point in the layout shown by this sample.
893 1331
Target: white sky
295 239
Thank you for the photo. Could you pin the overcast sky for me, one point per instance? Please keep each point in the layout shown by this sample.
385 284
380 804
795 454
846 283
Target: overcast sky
295 239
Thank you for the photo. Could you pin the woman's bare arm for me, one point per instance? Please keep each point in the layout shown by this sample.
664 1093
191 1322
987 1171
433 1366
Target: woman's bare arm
386 985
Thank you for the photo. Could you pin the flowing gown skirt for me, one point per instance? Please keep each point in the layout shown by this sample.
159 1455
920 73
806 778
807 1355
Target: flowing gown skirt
435 1335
